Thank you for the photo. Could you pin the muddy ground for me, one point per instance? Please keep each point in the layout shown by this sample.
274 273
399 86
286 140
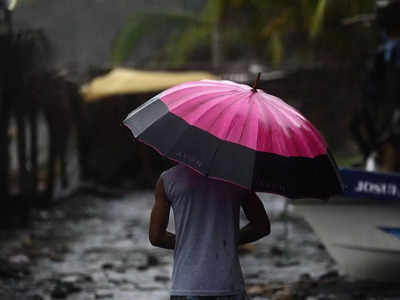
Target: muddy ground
89 247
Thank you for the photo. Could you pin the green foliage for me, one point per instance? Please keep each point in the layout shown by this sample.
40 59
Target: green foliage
318 18
178 51
276 47
264 26
140 25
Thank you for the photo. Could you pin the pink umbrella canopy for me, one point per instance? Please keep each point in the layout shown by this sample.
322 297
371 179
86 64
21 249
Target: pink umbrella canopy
239 134
235 113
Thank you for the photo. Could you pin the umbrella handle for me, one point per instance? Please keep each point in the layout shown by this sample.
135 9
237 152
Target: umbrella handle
254 89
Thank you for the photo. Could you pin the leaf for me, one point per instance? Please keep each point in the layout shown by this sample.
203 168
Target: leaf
318 18
278 24
178 51
276 48
213 11
141 25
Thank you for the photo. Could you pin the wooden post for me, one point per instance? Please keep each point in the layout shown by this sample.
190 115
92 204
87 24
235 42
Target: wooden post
23 175
34 172
4 140
5 110
51 164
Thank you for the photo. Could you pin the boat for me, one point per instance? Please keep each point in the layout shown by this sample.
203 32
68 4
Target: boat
361 228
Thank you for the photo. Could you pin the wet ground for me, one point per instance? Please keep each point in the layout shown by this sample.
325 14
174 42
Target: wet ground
97 248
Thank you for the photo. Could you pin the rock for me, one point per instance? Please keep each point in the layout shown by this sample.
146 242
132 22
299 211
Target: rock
329 276
70 279
305 277
63 289
43 215
272 288
13 270
161 278
143 267
286 263
59 214
56 257
359 295
35 297
26 242
328 297
152 261
19 259
75 278
101 294
306 282
99 276
59 293
107 266
303 288
265 289
283 296
253 275
276 251
116 278
121 270
62 249
255 290
246 248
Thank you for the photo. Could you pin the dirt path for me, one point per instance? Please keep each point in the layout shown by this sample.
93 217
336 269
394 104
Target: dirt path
98 249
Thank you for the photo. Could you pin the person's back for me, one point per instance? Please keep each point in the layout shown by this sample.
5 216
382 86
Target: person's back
206 213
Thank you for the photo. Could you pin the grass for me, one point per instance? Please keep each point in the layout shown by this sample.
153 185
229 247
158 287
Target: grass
348 160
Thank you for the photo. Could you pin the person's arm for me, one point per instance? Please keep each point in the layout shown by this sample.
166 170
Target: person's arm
158 234
259 224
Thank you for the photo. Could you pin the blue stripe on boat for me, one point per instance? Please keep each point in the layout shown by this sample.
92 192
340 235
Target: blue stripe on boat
373 185
391 230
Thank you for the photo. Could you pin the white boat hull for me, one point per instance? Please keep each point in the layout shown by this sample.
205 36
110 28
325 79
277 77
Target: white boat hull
357 237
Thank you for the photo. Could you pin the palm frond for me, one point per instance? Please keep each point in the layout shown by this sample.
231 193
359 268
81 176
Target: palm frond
178 51
318 18
277 24
140 25
276 47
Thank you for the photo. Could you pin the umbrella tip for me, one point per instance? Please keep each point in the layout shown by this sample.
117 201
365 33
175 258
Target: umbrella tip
254 89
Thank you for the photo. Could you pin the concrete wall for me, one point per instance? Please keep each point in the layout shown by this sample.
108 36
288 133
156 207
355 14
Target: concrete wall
82 31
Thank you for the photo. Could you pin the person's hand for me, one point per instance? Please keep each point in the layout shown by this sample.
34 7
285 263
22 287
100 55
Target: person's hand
259 224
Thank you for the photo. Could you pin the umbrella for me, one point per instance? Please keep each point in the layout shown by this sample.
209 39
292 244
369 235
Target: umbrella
236 133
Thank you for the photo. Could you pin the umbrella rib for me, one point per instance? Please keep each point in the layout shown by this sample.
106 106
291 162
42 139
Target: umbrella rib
167 152
241 135
284 108
191 86
289 112
278 118
247 118
199 103
224 110
264 117
219 139
220 113
141 107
